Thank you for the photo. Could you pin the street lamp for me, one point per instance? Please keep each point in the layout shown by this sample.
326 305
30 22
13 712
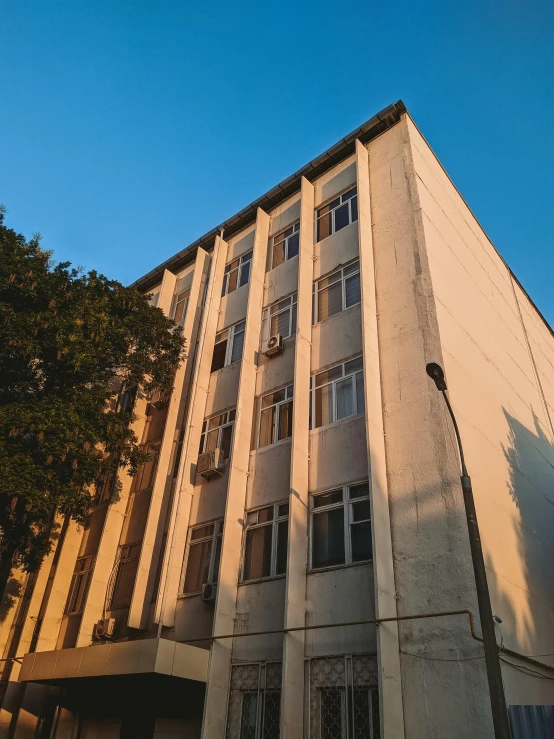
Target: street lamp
498 702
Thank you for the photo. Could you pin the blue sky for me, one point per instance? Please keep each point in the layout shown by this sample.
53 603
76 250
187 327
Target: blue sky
128 129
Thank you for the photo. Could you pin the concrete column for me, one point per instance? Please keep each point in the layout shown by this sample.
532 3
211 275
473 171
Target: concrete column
181 505
292 696
217 688
142 592
388 650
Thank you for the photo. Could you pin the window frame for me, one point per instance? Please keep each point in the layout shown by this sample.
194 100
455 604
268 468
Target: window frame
85 573
343 278
347 505
230 417
277 405
123 560
267 316
295 230
213 537
274 523
153 448
230 339
177 301
332 212
353 375
236 265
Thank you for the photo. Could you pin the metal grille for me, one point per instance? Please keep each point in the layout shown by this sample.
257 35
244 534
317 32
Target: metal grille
344 698
255 701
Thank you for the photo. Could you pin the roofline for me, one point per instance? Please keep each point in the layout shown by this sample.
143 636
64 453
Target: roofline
369 130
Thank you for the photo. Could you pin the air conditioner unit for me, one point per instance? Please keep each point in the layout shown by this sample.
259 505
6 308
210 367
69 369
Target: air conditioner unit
274 345
209 592
104 629
210 464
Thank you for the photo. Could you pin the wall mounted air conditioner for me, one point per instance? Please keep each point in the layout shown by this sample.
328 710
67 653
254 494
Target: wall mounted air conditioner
274 345
210 464
104 629
209 592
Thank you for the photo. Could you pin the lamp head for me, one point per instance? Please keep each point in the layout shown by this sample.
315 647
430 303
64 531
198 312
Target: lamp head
436 373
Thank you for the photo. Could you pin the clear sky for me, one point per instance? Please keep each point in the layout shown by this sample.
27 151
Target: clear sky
129 129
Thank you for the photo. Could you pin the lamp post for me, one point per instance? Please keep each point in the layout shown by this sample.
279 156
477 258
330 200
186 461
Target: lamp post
496 690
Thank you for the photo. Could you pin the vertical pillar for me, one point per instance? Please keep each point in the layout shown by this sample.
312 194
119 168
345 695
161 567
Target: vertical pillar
388 650
179 515
292 696
140 602
217 688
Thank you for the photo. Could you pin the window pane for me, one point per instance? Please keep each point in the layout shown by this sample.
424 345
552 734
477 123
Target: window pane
335 496
360 398
342 217
352 290
358 491
285 421
361 541
293 321
257 553
218 359
323 406
283 510
226 435
265 514
246 257
267 426
282 539
328 538
249 712
232 281
244 274
293 243
347 195
202 532
361 511
333 374
353 366
354 209
326 281
238 344
272 398
217 558
278 254
211 440
280 324
329 301
271 714
216 421
345 398
197 566
324 226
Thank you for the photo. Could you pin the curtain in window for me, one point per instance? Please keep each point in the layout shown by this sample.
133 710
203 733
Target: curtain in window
257 553
285 421
345 398
328 538
197 566
267 426
323 406
280 324
329 301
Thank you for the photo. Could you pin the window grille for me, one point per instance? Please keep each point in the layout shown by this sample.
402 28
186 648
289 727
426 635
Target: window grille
254 701
124 580
344 697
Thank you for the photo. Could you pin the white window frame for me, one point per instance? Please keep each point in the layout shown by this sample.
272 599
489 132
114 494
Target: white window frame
347 504
230 332
230 416
216 534
352 191
252 522
289 397
245 258
280 238
352 374
78 575
343 274
181 298
123 573
267 315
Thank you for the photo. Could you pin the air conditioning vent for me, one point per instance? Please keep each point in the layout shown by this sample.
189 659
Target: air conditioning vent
274 345
209 592
104 629
210 464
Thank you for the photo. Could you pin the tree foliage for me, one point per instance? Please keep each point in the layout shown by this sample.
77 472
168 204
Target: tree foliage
65 335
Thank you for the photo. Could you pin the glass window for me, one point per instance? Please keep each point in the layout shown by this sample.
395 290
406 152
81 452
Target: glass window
79 585
285 245
228 346
280 318
147 471
181 304
337 393
204 552
265 542
340 212
336 293
341 527
124 580
217 433
237 273
275 417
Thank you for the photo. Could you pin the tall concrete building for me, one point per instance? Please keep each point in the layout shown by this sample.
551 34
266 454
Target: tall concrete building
304 484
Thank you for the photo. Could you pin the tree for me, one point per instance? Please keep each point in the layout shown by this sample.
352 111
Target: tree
74 347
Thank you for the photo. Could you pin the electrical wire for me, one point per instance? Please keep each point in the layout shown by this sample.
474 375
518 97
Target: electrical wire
526 670
443 659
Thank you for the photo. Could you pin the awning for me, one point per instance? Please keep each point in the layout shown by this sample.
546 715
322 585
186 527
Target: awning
140 657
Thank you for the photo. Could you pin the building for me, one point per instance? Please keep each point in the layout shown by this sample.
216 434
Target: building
329 491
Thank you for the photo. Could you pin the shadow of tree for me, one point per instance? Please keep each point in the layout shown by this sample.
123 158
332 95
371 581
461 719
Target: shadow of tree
12 593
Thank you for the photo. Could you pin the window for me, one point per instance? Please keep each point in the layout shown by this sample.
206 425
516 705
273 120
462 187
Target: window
280 318
285 245
340 526
125 572
276 416
254 701
217 433
340 212
337 393
236 274
265 544
79 585
181 304
337 292
204 553
228 346
147 471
